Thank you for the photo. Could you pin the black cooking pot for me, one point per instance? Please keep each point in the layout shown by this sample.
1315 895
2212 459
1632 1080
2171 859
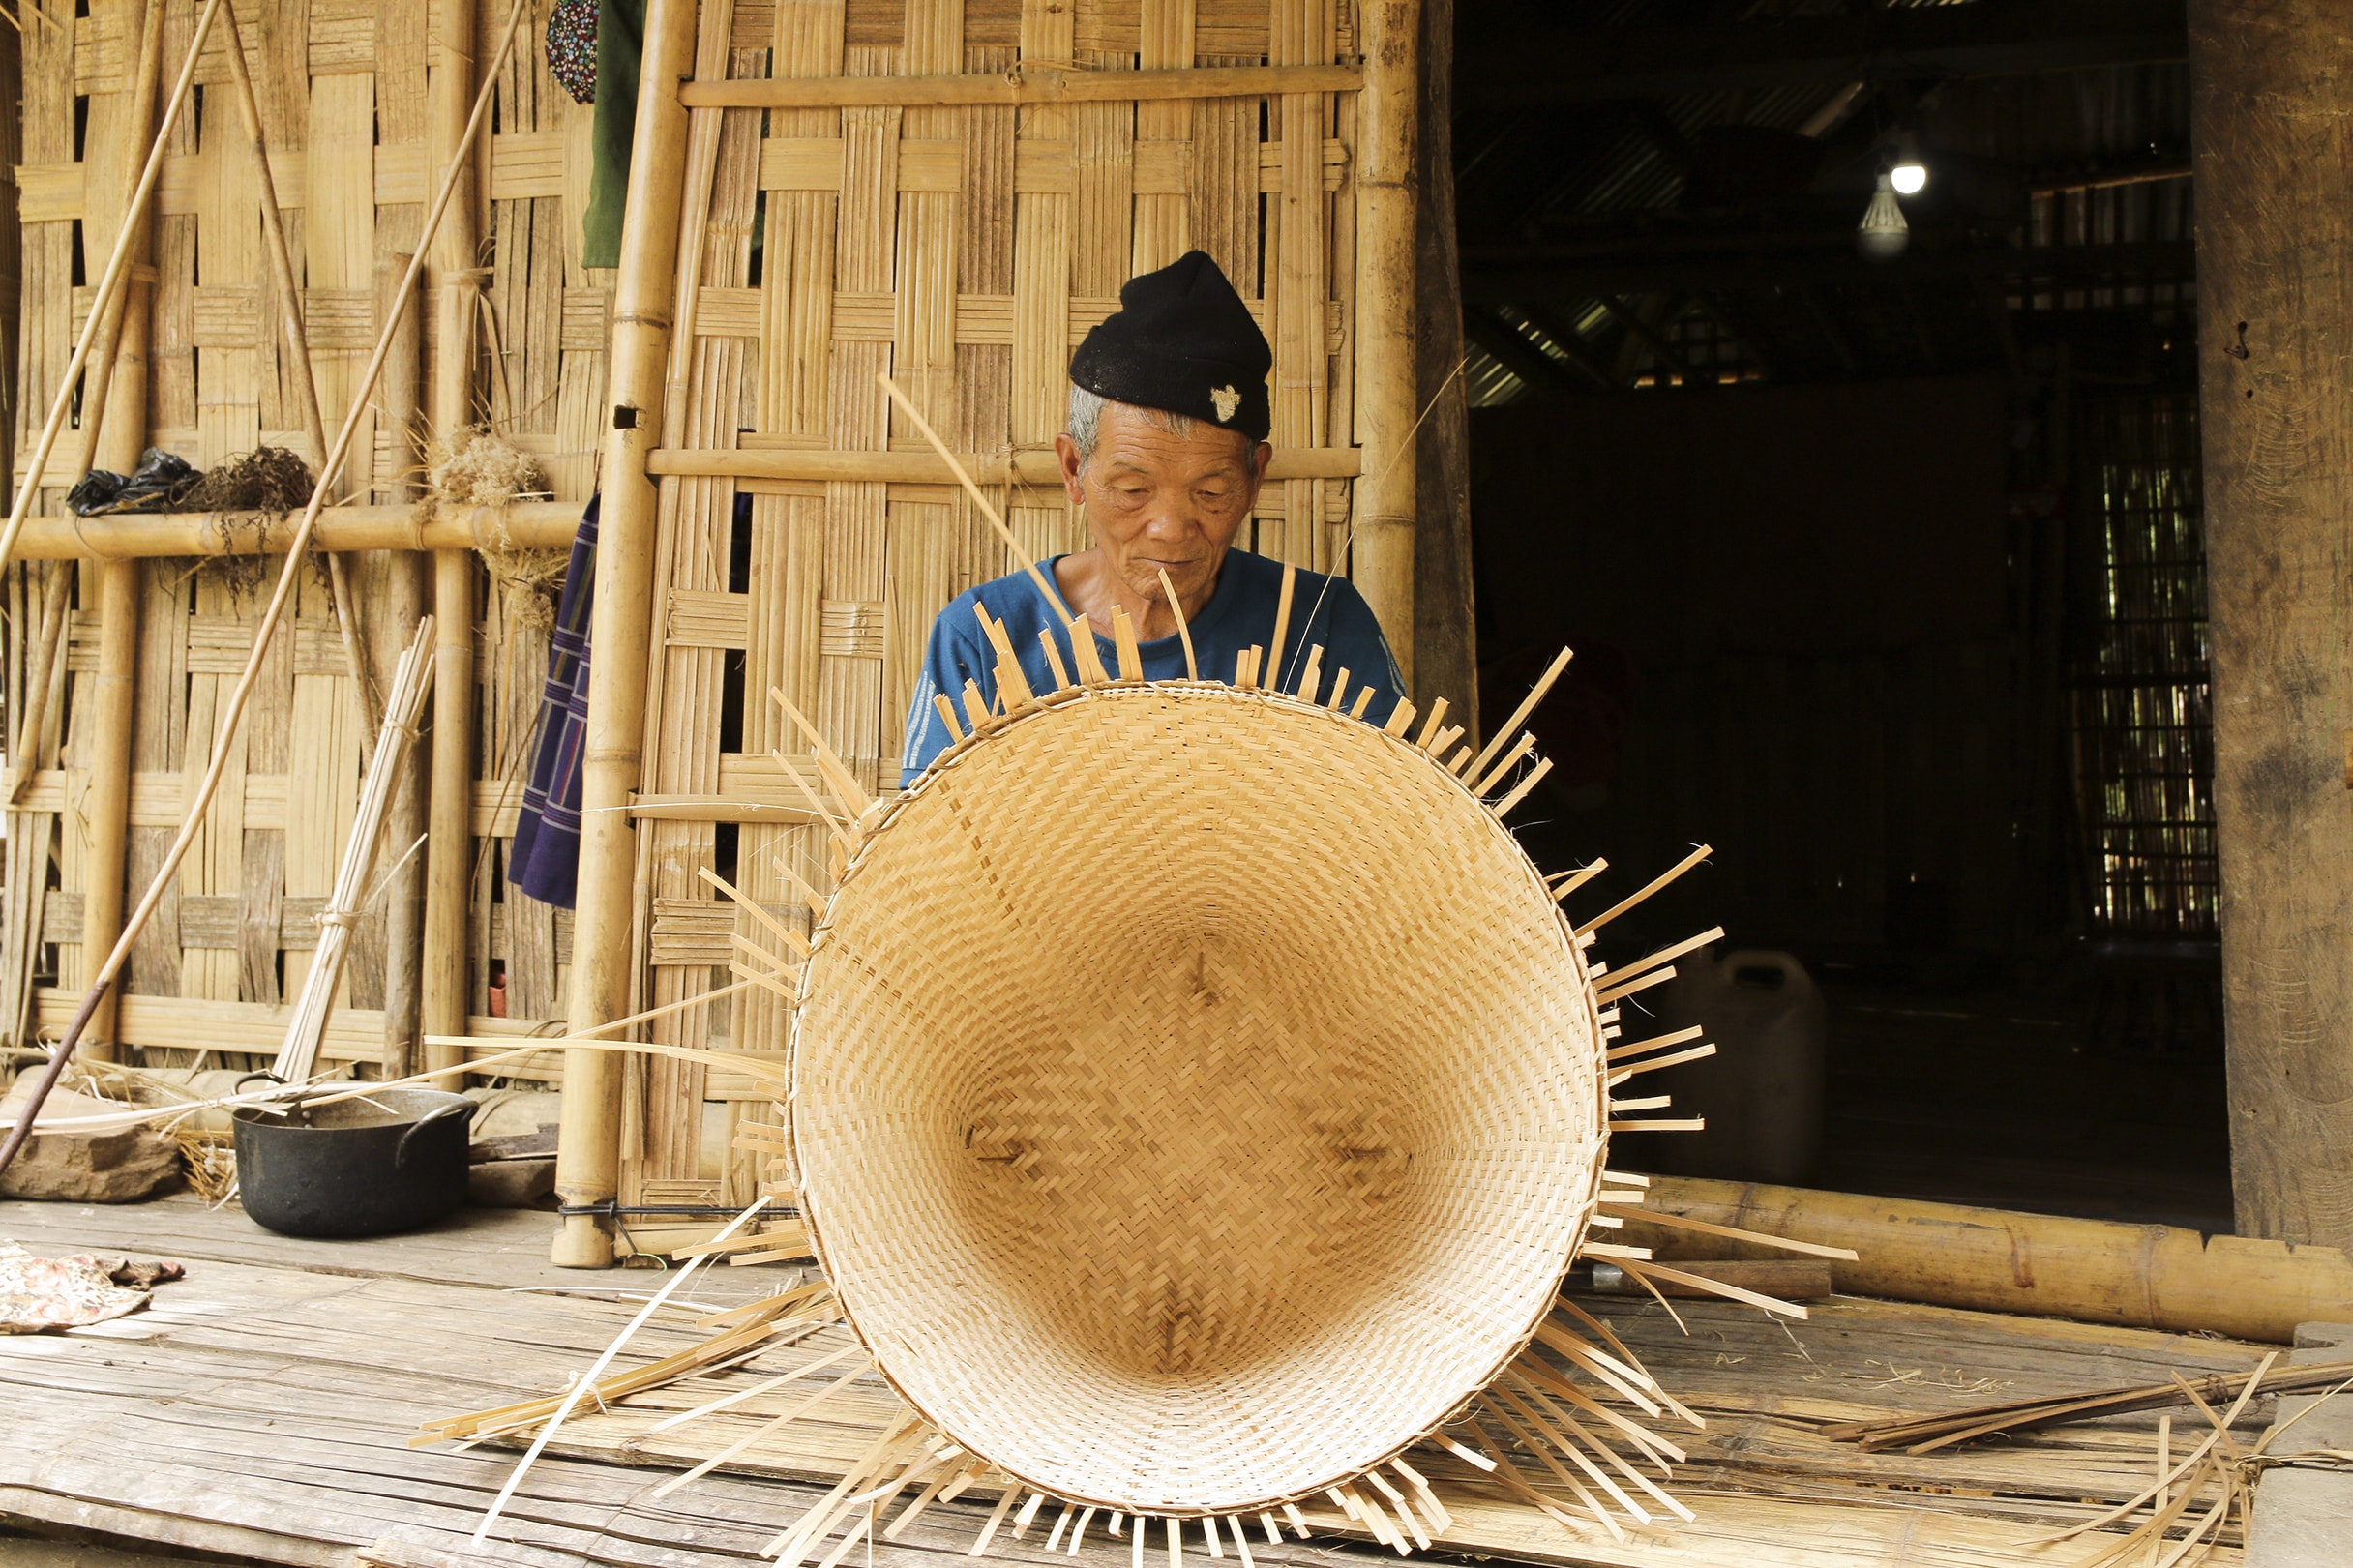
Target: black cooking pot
392 1161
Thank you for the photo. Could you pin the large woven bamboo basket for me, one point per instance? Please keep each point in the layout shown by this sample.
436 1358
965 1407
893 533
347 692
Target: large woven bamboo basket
1196 1094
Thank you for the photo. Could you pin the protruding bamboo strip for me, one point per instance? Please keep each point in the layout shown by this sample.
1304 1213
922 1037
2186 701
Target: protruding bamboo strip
1184 633
103 305
1617 1053
100 988
1282 616
1569 881
1624 905
1123 638
1666 955
1519 792
1644 1269
759 1433
784 932
1674 1058
1311 674
1511 760
1519 714
1054 660
914 416
947 716
1401 719
1678 1221
835 772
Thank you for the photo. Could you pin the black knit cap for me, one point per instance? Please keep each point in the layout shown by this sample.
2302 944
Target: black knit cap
1182 340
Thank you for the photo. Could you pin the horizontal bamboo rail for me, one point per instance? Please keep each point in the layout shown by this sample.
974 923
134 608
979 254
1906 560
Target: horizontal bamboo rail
1024 85
2097 1271
817 467
142 535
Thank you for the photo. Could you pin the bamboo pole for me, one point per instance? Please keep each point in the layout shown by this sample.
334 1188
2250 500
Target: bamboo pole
942 467
56 609
148 534
454 260
306 379
1025 85
1387 116
234 711
407 589
2147 1276
103 303
117 389
587 1156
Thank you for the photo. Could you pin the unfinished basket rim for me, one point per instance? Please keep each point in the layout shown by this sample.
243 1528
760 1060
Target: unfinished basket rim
1423 1188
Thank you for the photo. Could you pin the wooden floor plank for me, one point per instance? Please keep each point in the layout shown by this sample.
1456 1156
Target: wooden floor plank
262 1407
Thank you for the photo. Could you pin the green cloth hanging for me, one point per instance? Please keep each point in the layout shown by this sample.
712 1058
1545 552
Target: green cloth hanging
620 46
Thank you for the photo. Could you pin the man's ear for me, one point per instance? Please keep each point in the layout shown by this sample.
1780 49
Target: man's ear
1066 453
1258 459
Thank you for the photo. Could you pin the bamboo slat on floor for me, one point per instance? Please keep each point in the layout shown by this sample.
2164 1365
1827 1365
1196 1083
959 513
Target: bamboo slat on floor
263 1408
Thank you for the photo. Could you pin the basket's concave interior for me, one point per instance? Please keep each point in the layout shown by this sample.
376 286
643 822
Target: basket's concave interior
1196 1099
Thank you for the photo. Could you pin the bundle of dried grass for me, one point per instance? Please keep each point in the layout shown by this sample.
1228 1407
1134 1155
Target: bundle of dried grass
479 469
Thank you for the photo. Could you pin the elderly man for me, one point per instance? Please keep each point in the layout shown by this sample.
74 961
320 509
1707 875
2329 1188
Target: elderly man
1165 450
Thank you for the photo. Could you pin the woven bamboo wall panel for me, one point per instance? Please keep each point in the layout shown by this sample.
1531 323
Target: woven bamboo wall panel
964 247
342 88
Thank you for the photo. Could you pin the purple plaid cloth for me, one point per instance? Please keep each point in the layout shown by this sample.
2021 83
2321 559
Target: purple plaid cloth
546 857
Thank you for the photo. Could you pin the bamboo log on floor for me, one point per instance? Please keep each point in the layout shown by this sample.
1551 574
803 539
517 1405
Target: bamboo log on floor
407 589
1388 113
454 282
116 386
588 1146
100 986
150 535
2144 1276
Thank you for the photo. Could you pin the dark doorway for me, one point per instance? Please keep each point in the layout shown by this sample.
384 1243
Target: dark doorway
1882 556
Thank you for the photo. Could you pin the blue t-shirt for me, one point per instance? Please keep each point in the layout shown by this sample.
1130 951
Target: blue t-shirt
1325 612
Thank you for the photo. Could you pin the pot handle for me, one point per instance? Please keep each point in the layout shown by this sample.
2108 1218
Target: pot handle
399 1152
249 1077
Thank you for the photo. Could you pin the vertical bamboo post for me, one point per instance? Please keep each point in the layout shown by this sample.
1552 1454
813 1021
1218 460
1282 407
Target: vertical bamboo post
588 1157
454 285
407 587
1389 116
117 388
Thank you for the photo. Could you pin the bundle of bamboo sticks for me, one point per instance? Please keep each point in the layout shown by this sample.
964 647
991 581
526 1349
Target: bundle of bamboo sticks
412 680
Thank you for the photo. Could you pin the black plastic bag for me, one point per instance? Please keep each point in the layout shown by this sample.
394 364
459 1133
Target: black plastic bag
160 478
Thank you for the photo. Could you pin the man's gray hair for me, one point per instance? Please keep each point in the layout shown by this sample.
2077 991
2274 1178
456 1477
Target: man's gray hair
1087 421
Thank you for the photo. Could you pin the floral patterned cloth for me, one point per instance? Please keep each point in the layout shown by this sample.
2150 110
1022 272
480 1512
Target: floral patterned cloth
42 1293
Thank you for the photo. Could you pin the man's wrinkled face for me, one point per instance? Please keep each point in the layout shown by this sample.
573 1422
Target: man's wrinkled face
1157 501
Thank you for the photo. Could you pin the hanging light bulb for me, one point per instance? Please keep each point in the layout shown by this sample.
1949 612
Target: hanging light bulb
1909 177
1883 234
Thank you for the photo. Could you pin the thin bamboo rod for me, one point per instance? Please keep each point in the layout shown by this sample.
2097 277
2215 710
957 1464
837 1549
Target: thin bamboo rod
154 535
814 466
914 415
411 681
39 676
1389 116
1026 84
306 379
103 301
588 1143
100 988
